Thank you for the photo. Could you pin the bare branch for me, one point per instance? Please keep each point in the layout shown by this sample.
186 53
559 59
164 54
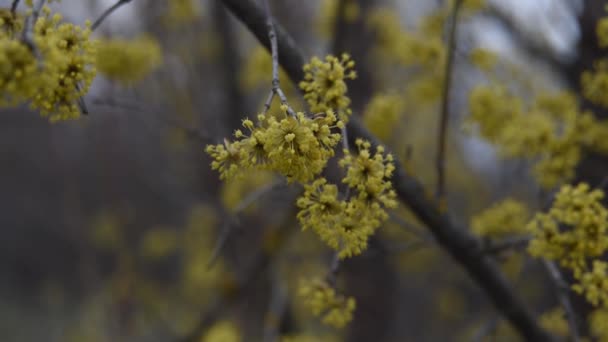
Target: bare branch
445 103
107 12
455 239
274 49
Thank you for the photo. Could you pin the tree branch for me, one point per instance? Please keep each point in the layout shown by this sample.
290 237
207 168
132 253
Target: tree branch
107 12
461 245
445 103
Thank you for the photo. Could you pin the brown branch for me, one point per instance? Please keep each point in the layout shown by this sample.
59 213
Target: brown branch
274 50
455 239
107 13
445 103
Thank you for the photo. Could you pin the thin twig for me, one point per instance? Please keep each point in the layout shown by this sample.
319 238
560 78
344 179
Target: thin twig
345 146
230 222
274 50
334 268
14 8
28 21
445 103
562 294
485 330
107 12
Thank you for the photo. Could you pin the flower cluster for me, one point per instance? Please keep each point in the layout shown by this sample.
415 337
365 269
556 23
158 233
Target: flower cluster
346 224
51 70
128 61
551 131
598 324
555 322
297 147
323 300
324 84
502 219
594 83
424 47
382 114
601 30
573 230
575 233
181 12
328 13
593 284
223 331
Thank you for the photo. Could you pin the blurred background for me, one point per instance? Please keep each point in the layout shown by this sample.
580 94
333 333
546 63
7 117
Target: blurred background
110 224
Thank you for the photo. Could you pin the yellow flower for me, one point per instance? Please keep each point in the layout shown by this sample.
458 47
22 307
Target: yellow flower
602 32
595 83
128 61
502 219
223 331
573 230
324 84
555 322
593 284
333 308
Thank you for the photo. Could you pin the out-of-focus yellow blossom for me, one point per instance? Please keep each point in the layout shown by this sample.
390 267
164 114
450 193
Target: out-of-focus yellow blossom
18 72
106 231
555 322
551 132
328 11
502 219
474 5
332 308
236 189
425 47
558 165
9 23
223 331
382 114
258 71
128 60
158 243
594 83
602 32
598 324
527 135
450 303
491 108
593 284
484 59
573 230
324 84
182 12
